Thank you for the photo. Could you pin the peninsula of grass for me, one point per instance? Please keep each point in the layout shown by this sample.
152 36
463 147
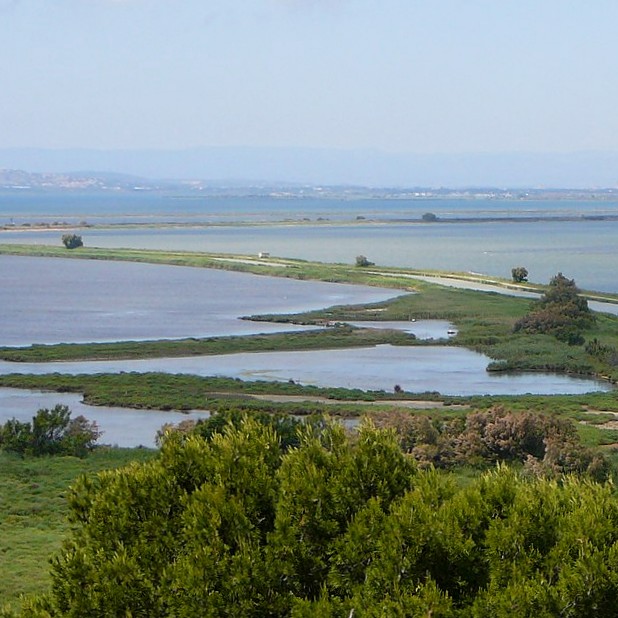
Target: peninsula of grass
340 336
376 275
163 391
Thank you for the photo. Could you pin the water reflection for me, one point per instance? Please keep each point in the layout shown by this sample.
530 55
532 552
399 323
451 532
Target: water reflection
421 329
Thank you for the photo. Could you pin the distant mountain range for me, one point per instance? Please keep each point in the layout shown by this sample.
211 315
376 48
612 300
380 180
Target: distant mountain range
288 166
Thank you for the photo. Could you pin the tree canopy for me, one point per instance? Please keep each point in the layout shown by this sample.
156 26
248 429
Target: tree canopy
234 525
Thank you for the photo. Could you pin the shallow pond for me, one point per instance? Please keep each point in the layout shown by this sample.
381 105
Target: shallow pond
448 370
123 427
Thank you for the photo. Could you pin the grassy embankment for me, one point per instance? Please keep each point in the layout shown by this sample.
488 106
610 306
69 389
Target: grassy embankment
33 513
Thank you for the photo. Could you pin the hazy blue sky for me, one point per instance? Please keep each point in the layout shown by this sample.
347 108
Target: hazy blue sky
419 76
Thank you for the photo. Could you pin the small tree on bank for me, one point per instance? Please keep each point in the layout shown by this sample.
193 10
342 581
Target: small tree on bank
51 432
362 261
519 274
72 241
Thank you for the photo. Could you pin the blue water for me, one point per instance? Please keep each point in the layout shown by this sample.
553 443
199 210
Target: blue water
32 206
583 249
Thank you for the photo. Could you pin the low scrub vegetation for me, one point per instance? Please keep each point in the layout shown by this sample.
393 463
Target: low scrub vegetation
544 444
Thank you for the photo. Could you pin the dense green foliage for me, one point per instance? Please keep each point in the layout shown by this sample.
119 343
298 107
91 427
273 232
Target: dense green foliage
51 432
233 525
561 312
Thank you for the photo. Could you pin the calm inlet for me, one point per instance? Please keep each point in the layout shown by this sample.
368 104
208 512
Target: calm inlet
47 300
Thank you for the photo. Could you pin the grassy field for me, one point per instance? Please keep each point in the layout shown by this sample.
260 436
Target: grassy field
33 511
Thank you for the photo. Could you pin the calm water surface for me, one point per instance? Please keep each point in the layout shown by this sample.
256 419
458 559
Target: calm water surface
584 250
64 300
36 207
422 329
448 370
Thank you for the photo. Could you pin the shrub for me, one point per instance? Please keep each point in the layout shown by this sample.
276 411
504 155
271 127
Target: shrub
72 241
561 312
519 274
362 261
546 444
51 432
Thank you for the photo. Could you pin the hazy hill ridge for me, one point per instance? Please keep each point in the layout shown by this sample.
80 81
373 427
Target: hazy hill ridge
368 168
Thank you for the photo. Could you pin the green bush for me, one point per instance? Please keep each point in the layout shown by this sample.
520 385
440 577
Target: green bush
519 274
561 312
51 432
72 241
362 261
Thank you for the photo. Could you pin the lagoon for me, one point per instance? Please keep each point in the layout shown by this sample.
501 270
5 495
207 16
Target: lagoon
47 300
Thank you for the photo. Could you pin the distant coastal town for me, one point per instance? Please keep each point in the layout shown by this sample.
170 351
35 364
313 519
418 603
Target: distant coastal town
19 181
